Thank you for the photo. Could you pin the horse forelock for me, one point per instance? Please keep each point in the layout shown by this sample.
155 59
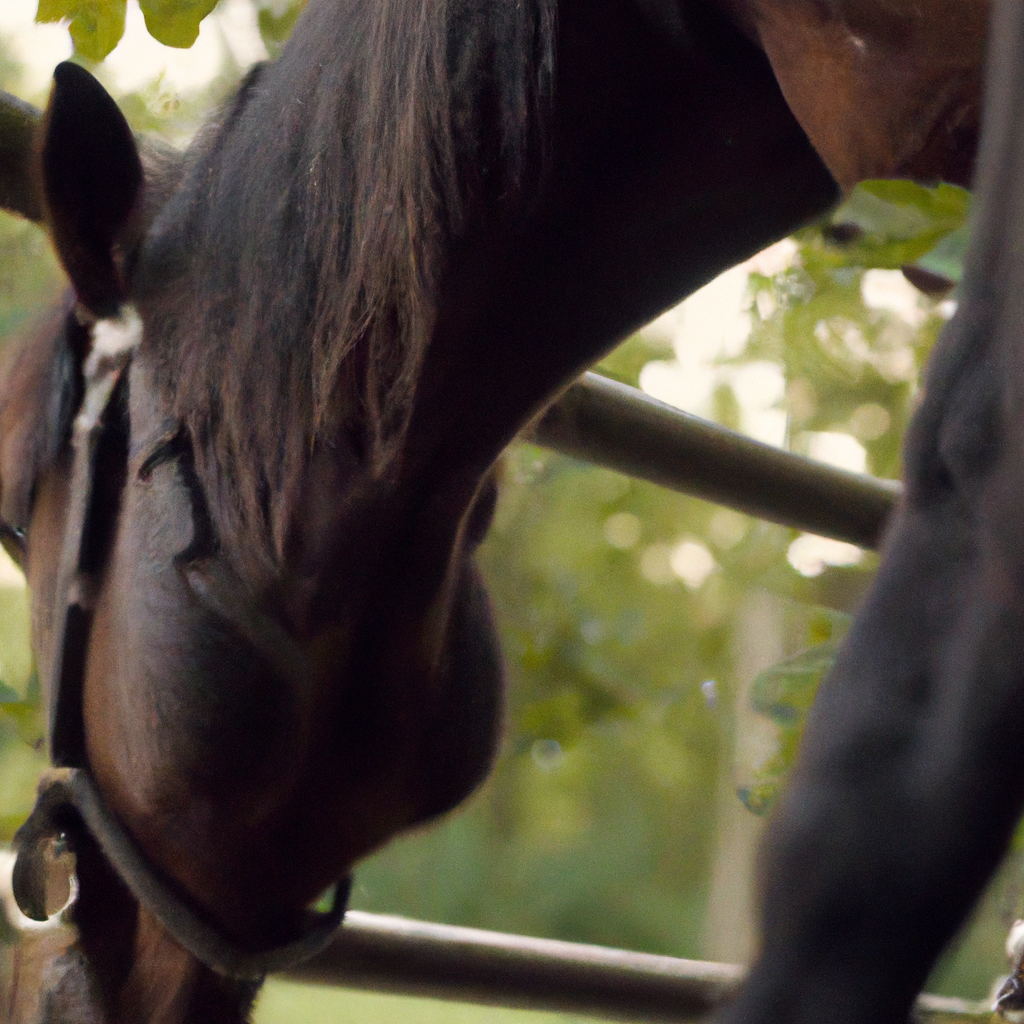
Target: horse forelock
307 244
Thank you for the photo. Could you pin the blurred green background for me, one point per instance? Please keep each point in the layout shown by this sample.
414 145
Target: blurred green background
625 805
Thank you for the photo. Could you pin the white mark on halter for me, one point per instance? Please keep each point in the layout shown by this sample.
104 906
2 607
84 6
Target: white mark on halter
858 43
114 336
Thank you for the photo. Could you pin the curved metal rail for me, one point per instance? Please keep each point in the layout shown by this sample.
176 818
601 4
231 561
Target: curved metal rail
618 427
18 123
395 955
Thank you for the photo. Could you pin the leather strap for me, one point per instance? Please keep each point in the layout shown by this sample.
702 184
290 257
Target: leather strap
68 796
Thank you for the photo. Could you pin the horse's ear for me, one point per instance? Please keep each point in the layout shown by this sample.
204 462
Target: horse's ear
92 186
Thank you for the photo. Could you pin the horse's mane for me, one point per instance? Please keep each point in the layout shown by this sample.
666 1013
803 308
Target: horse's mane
310 232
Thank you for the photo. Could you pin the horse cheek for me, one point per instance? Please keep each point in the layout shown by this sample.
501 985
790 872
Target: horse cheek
184 715
460 748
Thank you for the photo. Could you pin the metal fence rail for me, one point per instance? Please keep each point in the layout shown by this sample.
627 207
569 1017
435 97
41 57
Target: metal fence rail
18 123
399 956
616 426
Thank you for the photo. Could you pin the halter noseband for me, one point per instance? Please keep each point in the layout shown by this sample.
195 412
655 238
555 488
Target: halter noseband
69 798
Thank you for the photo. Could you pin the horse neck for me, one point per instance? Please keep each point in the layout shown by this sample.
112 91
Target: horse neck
126 969
167 985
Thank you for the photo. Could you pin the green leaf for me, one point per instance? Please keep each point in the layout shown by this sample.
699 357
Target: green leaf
28 721
175 22
947 258
26 712
899 222
55 10
96 26
784 694
275 29
901 210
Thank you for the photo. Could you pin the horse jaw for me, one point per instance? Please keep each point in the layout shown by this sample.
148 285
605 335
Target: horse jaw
882 89
167 985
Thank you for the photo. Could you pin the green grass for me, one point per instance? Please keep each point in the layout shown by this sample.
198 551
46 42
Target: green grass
284 1002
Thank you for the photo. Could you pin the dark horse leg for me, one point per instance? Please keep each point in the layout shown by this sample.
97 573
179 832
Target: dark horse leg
912 770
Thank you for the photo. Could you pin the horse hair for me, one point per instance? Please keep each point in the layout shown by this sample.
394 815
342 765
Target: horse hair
311 224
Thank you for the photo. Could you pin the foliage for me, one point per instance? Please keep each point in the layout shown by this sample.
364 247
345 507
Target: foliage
947 257
902 222
96 26
838 361
175 22
784 693
276 22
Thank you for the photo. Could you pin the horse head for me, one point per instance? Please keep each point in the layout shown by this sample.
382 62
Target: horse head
883 90
271 705
252 570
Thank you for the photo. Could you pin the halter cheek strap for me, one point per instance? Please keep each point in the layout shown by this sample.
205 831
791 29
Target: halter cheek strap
68 796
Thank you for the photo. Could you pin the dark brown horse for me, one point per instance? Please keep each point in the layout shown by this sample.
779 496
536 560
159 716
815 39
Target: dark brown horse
382 258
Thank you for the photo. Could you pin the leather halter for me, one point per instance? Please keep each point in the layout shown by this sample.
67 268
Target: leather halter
69 798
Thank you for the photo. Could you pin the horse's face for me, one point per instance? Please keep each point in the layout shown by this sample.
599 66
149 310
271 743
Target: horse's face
260 722
309 709
883 88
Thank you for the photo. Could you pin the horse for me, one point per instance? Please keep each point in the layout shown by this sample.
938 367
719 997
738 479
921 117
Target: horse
263 640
